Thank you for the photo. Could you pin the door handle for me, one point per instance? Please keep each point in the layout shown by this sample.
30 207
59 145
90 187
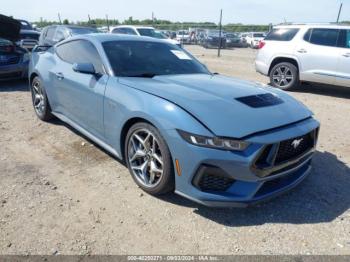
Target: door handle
346 55
303 51
59 76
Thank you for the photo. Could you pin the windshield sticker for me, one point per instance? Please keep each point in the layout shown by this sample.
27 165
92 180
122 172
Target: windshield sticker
181 55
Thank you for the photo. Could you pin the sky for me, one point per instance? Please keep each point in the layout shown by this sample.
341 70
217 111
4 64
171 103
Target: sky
234 11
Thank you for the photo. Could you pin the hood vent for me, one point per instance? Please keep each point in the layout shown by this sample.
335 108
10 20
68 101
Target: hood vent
262 100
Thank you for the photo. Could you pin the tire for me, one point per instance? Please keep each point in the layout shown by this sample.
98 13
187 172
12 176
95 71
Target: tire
284 76
40 101
154 152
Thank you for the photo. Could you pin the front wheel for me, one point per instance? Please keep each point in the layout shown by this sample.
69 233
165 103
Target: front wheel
40 101
148 159
284 76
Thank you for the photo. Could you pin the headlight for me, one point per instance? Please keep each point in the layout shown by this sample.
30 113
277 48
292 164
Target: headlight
26 57
214 142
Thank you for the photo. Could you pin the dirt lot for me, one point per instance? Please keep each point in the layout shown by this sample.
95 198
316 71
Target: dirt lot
60 194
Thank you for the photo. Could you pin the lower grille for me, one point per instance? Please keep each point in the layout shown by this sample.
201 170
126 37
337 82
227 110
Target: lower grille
210 178
10 75
10 61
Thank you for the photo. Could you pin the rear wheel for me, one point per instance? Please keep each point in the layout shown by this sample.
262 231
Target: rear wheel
40 101
284 76
148 159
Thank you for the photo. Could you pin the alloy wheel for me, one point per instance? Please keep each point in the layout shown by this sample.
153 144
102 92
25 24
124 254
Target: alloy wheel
38 98
145 158
282 76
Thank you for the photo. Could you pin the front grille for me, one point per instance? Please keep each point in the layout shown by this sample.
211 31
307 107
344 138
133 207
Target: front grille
10 60
211 178
293 148
285 155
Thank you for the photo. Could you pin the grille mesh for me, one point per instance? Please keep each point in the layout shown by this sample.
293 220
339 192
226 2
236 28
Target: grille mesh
209 182
287 150
10 60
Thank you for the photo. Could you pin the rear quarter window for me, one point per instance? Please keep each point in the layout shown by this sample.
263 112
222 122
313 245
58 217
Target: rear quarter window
282 34
322 36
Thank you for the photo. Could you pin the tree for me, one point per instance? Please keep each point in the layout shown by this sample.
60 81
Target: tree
66 22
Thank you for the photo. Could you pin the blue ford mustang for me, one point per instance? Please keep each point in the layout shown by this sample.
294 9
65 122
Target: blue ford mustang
216 140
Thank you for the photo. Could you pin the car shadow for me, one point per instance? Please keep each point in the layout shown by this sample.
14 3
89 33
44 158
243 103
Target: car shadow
322 89
321 198
58 122
20 85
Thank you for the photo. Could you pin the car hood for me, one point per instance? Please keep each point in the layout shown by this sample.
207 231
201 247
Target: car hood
9 28
212 99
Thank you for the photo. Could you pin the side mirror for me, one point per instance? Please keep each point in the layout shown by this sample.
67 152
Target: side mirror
84 68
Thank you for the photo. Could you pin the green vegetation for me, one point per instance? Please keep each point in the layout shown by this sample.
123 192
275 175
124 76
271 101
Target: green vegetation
160 24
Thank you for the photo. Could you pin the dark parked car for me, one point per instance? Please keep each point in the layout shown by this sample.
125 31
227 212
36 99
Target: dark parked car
14 59
211 39
234 40
53 34
29 37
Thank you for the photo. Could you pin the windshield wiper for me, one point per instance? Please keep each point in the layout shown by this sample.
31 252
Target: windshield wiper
146 75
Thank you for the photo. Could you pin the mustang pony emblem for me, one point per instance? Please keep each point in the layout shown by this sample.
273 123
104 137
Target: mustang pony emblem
297 142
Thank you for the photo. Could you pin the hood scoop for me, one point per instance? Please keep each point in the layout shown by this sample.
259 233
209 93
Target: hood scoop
262 100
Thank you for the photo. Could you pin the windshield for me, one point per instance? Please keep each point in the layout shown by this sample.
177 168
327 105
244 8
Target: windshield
82 30
4 42
146 31
159 35
258 35
147 59
232 35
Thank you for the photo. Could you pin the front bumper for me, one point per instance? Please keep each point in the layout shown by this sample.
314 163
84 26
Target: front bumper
248 188
16 71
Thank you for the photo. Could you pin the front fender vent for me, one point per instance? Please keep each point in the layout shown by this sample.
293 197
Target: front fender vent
263 100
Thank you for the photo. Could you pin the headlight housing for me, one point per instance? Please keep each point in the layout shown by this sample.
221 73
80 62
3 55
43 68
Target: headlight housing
26 57
214 142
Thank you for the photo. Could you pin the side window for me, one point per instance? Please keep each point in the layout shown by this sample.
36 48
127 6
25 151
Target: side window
118 31
325 37
50 33
282 34
307 35
130 31
344 39
59 35
80 51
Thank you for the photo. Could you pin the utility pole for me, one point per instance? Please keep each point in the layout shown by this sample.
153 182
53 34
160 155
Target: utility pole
107 22
152 19
341 6
220 29
89 18
59 18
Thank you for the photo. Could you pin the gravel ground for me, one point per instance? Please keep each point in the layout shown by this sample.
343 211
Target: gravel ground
61 194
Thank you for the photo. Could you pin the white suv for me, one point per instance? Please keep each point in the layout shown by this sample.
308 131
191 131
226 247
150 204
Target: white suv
311 53
253 39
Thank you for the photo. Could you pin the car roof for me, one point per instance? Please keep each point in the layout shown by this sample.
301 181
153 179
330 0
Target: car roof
134 26
106 37
317 25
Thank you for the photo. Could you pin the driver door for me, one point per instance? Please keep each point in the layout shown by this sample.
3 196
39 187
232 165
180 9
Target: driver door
79 95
